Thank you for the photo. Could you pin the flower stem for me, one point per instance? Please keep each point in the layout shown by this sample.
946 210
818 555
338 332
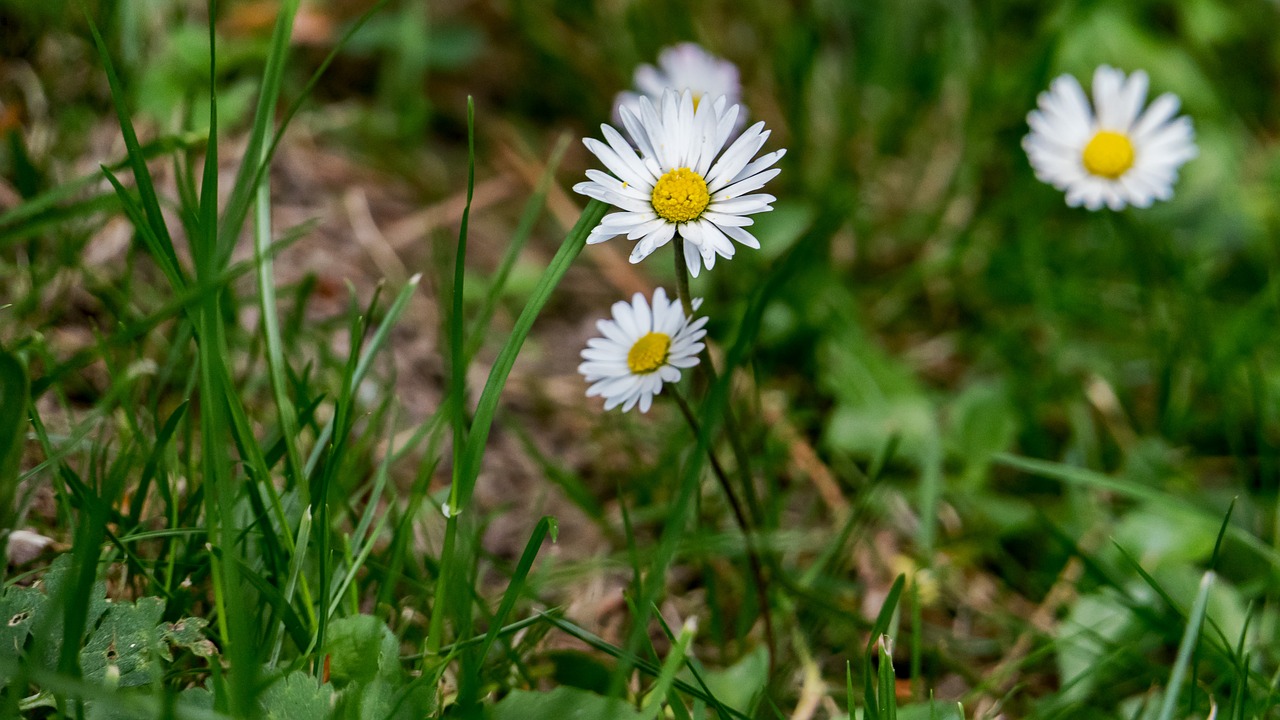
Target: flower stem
753 551
682 277
708 370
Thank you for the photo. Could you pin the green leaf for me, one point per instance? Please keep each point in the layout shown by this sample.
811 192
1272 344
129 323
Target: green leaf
516 585
563 703
1166 534
101 710
740 685
128 640
361 648
1091 629
188 633
386 700
982 423
48 622
18 609
297 697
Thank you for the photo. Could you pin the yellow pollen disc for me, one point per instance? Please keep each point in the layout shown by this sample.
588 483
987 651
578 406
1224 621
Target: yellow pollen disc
1108 154
649 353
680 196
696 99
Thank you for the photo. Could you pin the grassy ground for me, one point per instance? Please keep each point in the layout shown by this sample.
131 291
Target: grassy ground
997 457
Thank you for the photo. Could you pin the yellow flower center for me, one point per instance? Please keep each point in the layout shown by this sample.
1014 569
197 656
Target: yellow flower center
1108 154
649 353
680 196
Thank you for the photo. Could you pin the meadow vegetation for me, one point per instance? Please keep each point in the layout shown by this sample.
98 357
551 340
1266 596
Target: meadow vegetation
292 301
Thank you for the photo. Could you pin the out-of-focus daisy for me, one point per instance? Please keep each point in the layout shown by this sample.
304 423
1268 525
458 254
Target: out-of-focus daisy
683 67
683 179
1113 153
642 348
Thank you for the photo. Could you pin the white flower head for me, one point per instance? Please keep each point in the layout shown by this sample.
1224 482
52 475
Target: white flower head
680 177
642 348
1113 153
683 67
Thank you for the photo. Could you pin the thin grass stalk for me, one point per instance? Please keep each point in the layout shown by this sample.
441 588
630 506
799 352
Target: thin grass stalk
524 228
667 676
635 661
459 603
707 368
277 366
295 571
15 391
451 561
286 414
1190 638
749 536
248 176
233 614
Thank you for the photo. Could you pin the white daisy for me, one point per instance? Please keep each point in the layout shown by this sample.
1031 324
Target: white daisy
683 67
1112 153
683 180
642 348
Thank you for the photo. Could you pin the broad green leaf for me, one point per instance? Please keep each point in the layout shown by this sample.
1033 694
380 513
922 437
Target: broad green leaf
740 685
1092 627
49 616
188 633
386 701
563 703
982 422
1160 534
297 696
128 644
361 648
876 400
103 710
18 609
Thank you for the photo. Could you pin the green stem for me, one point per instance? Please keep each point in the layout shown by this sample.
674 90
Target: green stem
753 550
682 277
708 370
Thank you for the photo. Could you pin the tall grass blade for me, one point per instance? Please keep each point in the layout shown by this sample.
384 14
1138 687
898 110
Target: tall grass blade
519 238
1172 691
546 526
15 391
477 438
667 676
137 160
277 366
251 166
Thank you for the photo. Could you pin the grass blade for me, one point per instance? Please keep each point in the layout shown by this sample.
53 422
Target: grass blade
15 391
469 470
137 160
1186 648
545 526
250 172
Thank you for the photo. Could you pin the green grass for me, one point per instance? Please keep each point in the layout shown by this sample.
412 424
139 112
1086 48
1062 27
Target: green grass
960 450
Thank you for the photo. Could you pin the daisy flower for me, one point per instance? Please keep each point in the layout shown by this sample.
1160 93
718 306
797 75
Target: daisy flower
1113 153
683 67
642 349
683 179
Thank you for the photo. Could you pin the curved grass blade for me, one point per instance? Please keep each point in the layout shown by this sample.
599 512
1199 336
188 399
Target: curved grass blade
547 525
482 422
